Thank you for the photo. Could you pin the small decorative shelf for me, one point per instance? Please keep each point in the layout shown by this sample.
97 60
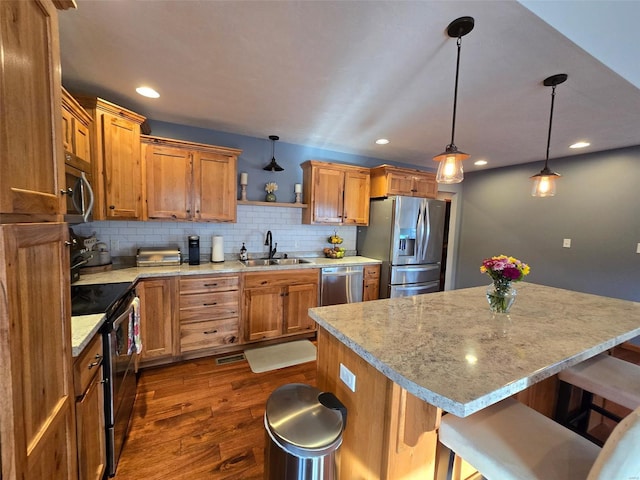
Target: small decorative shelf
272 204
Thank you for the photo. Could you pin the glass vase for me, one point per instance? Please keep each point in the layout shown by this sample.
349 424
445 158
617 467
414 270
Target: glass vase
501 297
271 197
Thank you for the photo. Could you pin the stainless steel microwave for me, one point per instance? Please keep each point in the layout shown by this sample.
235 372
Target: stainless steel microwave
79 195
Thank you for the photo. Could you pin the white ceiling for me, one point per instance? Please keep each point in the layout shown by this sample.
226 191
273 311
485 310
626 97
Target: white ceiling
340 74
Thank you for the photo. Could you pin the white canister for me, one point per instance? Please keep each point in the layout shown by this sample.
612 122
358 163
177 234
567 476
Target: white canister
217 249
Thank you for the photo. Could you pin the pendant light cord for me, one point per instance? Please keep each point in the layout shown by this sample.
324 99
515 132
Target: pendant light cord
455 94
553 97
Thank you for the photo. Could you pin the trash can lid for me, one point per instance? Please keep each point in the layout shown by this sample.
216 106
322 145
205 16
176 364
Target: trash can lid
300 424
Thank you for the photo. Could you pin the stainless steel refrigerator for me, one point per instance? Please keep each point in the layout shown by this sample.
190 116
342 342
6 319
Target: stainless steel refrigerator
406 234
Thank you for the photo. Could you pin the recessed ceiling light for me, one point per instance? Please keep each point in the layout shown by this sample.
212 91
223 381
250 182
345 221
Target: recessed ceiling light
480 163
147 92
579 145
382 141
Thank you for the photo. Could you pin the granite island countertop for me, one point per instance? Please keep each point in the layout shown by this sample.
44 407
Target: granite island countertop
449 350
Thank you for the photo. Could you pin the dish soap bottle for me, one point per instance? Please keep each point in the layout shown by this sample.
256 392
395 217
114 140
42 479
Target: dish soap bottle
243 252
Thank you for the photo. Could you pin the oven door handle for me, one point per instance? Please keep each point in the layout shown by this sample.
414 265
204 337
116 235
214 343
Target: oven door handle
124 316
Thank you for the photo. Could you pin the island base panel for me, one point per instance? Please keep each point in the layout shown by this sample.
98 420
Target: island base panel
390 434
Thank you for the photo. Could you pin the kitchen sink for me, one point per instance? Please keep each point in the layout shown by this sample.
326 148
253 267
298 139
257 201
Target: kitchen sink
266 262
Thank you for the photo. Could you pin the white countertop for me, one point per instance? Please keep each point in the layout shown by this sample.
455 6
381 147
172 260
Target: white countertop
232 266
447 349
83 328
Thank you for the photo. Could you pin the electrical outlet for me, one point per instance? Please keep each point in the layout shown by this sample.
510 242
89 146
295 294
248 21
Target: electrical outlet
348 378
638 248
115 245
566 243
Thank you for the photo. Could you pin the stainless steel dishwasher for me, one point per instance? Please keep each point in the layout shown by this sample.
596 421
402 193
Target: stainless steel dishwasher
341 285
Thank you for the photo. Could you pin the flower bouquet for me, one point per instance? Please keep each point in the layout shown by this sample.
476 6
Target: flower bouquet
270 188
503 270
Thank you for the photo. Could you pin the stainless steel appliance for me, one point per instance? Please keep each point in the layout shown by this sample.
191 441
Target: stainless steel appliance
341 285
406 234
158 256
79 195
117 301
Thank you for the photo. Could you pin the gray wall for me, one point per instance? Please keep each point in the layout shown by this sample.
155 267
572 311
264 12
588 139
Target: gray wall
597 206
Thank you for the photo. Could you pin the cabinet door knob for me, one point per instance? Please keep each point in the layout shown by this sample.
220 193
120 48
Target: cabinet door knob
112 207
188 211
68 191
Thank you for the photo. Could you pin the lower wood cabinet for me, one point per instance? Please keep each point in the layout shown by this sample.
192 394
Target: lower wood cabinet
371 283
157 328
90 427
209 312
275 303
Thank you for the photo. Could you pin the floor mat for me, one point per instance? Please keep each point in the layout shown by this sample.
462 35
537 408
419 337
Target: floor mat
282 355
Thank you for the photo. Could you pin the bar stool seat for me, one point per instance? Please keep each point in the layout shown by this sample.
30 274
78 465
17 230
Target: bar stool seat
510 441
608 377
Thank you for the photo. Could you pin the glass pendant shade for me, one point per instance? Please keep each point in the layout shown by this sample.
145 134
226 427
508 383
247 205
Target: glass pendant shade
450 167
544 183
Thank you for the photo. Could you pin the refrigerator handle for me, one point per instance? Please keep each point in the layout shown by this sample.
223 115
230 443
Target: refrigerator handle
419 234
424 241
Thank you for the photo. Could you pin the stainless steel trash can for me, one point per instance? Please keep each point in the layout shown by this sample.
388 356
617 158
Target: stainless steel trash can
303 432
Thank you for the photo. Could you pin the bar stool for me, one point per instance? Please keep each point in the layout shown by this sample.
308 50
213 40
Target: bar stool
605 376
509 440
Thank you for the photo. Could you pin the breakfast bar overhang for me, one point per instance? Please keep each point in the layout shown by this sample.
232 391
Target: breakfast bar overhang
416 357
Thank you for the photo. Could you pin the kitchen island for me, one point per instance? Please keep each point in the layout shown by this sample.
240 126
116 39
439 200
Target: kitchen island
415 357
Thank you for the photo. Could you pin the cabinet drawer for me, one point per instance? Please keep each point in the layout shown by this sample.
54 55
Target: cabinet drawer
87 365
213 333
281 278
372 272
208 284
209 305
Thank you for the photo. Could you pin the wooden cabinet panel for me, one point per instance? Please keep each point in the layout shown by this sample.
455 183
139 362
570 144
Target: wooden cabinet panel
298 300
168 173
276 303
189 181
371 281
157 312
122 171
208 334
115 159
76 134
389 180
356 198
86 365
30 105
337 194
37 419
215 187
209 305
263 311
209 284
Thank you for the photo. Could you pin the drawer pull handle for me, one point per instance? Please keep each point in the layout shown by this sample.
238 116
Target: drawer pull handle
264 282
210 284
210 304
211 331
96 363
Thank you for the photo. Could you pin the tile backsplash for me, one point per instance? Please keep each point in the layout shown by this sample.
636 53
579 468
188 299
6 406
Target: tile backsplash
123 238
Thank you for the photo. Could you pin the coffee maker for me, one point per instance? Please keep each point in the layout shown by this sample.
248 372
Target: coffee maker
194 250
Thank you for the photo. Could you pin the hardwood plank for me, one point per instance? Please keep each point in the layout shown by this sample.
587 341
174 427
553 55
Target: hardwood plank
200 420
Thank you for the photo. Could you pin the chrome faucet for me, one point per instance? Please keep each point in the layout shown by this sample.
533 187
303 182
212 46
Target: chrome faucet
272 249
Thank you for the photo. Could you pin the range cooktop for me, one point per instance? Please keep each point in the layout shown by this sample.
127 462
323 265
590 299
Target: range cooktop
97 298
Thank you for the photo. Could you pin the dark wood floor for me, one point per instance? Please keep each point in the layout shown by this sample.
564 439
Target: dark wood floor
198 420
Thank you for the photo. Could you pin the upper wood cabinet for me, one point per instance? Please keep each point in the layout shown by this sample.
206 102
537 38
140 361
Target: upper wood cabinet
388 180
336 194
31 156
76 137
115 154
189 181
37 416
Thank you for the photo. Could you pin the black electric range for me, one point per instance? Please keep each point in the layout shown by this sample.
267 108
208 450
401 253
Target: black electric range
98 298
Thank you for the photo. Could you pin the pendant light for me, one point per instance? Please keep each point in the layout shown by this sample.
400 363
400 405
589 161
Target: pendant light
450 168
273 166
544 183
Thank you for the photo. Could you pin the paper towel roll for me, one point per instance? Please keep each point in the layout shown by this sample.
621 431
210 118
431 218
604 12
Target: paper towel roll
217 249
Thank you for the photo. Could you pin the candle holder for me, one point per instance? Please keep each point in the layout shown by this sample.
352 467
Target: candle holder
298 197
243 193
